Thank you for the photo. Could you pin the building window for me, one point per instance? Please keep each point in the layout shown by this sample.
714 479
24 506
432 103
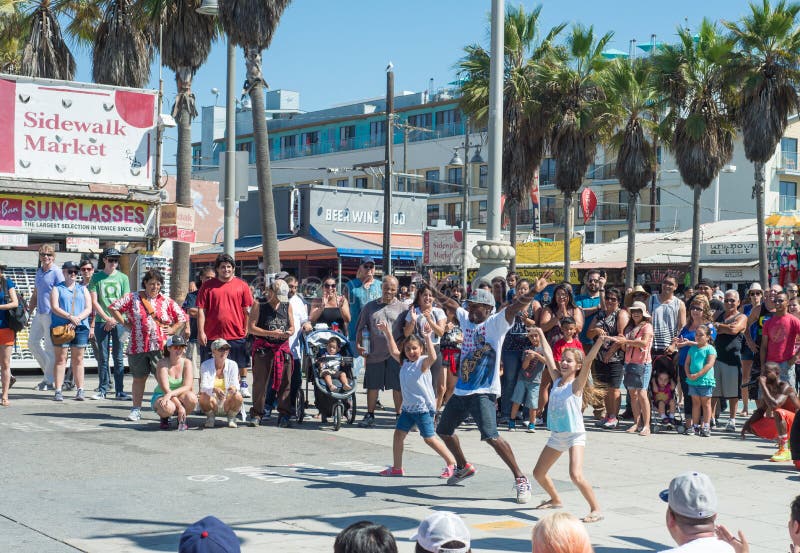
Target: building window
197 157
454 215
590 237
482 208
455 176
432 181
347 137
448 122
247 147
342 183
361 182
420 120
788 195
547 172
433 213
548 207
789 153
616 205
377 133
483 176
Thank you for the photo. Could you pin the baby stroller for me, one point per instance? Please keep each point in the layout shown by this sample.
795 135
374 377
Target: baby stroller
340 405
665 364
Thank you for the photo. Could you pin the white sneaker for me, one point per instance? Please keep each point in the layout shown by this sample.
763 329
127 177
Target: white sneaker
98 396
135 415
245 390
523 489
232 422
731 426
210 420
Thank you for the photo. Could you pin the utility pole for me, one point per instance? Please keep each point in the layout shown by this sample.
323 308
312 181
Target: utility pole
387 181
230 154
465 209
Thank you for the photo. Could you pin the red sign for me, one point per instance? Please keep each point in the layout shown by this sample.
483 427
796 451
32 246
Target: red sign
172 232
588 204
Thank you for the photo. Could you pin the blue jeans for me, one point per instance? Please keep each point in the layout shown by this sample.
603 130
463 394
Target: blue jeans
512 362
112 339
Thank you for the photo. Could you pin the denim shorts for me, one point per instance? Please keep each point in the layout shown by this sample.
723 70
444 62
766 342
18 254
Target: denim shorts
526 393
81 339
423 420
637 375
483 409
701 391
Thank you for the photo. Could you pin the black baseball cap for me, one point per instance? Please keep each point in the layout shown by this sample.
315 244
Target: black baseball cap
111 252
70 266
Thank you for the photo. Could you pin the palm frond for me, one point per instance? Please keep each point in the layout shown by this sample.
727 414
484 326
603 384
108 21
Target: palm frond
45 53
251 23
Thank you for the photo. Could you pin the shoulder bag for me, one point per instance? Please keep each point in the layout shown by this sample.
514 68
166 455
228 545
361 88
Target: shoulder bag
17 317
63 334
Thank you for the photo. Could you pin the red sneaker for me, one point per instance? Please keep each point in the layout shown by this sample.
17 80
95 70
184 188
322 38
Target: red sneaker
448 471
391 471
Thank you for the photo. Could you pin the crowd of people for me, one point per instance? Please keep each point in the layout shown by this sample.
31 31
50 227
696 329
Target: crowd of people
506 351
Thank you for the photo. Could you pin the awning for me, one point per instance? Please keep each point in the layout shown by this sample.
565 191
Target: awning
349 243
296 248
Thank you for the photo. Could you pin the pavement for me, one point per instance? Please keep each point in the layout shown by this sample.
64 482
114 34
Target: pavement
80 478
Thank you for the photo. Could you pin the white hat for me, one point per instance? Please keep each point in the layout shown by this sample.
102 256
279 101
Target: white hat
755 286
281 290
640 306
438 529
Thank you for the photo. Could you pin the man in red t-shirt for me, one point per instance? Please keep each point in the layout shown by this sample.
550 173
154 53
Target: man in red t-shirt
223 306
778 338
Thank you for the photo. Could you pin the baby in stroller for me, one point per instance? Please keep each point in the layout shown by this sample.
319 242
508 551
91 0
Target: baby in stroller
329 363
663 390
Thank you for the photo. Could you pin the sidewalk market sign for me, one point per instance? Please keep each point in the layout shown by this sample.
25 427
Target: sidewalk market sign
177 223
83 217
75 132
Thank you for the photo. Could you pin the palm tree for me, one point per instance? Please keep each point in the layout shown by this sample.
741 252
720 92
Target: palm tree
630 98
251 25
45 53
694 78
524 115
12 36
769 49
579 121
121 53
186 38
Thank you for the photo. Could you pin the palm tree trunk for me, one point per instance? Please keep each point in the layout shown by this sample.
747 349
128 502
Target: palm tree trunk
758 194
269 228
695 262
631 257
183 112
569 225
512 229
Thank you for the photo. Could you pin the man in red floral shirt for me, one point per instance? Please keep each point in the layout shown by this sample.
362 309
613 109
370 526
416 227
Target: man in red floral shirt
150 317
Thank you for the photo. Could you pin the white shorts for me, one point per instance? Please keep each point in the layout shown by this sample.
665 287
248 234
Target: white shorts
562 441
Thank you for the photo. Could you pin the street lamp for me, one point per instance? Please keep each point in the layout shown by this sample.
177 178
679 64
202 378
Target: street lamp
465 197
725 169
211 7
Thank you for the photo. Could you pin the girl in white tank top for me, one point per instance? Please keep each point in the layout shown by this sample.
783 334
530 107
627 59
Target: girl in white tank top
565 421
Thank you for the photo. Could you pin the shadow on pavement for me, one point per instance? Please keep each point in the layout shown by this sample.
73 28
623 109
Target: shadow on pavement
645 544
728 455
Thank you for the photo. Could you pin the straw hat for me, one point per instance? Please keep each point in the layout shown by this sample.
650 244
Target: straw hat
640 306
638 289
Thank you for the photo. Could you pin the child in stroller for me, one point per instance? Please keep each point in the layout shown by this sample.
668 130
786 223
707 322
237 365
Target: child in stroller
663 390
329 364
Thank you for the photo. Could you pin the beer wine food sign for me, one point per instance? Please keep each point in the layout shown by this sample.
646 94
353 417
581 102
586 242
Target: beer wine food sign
73 132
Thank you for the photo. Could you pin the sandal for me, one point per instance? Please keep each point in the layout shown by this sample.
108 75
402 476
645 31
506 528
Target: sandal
633 429
645 432
548 505
592 517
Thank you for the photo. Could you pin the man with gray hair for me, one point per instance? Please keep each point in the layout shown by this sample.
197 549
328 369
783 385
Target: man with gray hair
381 371
692 514
730 324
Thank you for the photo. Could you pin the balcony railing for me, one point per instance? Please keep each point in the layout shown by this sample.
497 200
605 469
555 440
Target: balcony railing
787 160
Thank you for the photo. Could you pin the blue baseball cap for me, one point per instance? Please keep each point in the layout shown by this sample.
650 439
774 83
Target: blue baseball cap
209 535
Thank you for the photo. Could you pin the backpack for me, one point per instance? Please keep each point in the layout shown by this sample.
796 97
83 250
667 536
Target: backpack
17 317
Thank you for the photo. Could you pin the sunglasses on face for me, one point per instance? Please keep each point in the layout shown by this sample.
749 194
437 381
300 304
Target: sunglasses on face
695 308
46 255
754 294
730 300
368 265
593 280
668 283
87 268
334 286
112 260
779 300
72 272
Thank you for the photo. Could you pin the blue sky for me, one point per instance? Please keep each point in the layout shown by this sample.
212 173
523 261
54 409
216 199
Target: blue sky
336 51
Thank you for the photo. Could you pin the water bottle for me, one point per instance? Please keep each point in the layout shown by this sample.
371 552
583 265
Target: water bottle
335 327
365 341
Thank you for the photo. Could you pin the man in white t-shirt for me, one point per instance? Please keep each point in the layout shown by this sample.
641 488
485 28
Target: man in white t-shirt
478 384
692 515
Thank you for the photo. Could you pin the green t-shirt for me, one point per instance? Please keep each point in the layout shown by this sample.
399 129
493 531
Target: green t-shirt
698 357
109 288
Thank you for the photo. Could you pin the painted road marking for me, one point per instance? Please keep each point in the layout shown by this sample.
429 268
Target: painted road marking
60 424
501 525
301 472
208 478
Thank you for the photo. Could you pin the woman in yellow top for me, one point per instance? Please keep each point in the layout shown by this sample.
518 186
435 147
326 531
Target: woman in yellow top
219 385
175 374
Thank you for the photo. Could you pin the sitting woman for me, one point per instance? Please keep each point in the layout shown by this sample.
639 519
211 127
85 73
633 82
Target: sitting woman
219 385
175 374
330 365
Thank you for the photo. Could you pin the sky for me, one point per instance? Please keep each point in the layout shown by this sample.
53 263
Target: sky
333 52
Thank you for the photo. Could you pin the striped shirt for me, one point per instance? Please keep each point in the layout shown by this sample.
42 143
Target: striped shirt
665 320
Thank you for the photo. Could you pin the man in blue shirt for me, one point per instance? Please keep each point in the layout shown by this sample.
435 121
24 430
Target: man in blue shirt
39 343
595 281
362 290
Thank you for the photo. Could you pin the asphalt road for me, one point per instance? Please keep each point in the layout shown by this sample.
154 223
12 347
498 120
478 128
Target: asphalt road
77 477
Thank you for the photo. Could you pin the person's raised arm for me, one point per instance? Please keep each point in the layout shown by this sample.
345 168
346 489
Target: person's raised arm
547 353
583 376
411 322
427 333
521 302
384 327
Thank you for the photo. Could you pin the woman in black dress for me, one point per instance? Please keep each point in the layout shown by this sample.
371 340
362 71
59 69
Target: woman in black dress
332 308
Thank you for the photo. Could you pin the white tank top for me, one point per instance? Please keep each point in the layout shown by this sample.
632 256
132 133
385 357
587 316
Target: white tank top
565 410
